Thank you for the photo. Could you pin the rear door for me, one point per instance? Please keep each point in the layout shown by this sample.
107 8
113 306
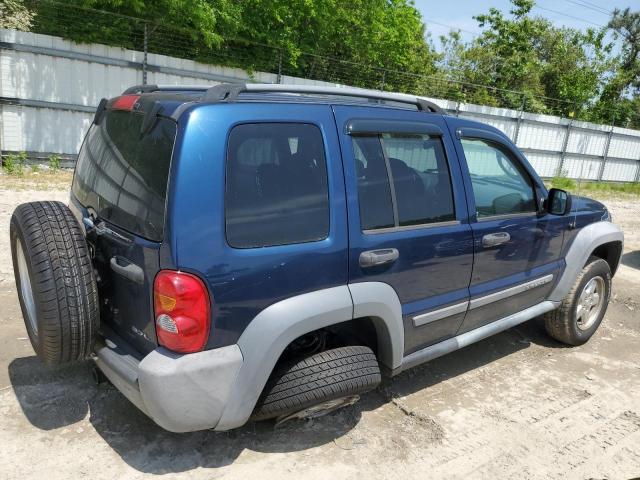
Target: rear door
516 247
408 224
120 184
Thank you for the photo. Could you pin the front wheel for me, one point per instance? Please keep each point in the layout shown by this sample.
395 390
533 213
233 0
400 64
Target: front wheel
584 307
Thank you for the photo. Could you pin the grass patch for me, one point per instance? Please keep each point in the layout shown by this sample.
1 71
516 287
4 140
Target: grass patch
599 189
37 179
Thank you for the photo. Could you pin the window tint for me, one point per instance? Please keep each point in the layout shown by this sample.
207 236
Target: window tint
276 185
420 177
421 182
374 192
501 186
123 175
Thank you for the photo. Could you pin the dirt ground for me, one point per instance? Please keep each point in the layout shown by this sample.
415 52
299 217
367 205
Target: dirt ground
517 405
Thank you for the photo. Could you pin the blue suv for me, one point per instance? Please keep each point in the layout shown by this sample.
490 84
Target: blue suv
271 251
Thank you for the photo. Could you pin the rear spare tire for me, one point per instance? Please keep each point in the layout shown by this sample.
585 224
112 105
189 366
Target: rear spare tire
331 378
55 281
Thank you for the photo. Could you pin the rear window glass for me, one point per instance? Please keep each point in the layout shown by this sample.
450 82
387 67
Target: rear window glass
123 175
276 185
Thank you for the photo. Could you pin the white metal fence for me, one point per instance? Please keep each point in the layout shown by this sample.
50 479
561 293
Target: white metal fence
49 88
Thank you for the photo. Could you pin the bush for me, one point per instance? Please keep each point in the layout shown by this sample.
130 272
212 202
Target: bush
563 183
54 162
14 163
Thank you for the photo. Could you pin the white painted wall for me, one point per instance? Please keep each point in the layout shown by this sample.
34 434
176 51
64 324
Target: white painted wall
48 77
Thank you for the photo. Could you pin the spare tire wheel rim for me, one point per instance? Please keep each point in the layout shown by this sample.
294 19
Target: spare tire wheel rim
25 288
321 409
590 303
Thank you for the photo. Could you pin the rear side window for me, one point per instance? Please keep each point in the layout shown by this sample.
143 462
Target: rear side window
276 185
403 180
123 175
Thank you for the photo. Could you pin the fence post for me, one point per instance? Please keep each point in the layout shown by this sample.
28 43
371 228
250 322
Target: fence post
516 134
458 103
279 77
605 154
563 152
144 57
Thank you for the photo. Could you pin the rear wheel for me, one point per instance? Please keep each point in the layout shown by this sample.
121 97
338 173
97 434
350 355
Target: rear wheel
55 281
319 384
584 307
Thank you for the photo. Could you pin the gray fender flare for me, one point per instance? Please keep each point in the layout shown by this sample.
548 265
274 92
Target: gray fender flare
586 241
273 329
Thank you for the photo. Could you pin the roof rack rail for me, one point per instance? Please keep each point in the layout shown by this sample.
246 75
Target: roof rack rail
164 88
228 92
140 89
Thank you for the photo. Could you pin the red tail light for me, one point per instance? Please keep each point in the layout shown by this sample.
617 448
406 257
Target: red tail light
182 311
125 102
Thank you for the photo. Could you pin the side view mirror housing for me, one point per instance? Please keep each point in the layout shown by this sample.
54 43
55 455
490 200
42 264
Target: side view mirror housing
558 202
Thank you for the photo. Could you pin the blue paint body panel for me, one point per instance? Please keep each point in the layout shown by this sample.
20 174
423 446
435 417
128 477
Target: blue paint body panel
243 282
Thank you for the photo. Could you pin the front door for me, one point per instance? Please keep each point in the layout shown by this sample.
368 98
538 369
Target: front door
408 224
516 246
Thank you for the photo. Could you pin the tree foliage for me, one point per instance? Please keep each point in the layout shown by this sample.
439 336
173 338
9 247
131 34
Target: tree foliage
13 14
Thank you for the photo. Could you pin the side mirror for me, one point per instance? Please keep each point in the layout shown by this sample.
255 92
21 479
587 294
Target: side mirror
558 202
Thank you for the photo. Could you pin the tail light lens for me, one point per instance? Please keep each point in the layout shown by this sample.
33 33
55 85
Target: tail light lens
182 311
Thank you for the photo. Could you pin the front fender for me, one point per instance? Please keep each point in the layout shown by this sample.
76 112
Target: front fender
586 241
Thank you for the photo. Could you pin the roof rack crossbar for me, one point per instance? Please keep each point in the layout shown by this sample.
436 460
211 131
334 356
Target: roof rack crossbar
228 92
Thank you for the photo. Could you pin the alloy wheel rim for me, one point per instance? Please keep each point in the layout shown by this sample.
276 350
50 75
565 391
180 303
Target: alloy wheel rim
25 288
590 303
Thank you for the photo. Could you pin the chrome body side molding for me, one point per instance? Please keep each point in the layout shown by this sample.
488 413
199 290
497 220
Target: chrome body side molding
509 292
439 314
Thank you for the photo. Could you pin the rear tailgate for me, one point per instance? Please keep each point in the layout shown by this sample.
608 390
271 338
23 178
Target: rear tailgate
120 184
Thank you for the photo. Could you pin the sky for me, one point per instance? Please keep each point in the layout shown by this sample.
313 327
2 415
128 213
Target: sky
440 16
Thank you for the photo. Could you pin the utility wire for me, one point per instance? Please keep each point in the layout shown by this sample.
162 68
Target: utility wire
475 34
599 10
569 16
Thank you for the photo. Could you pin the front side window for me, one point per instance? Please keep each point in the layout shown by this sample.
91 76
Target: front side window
276 185
403 180
501 186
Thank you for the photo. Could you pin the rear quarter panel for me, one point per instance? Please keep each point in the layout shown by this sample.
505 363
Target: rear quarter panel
243 282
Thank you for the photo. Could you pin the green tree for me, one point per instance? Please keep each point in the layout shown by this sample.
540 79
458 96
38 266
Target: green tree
619 102
13 14
520 61
329 40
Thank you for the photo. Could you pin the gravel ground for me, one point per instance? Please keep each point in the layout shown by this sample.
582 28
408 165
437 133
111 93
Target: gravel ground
515 405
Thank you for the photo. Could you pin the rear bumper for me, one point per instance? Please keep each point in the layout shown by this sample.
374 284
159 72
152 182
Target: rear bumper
181 393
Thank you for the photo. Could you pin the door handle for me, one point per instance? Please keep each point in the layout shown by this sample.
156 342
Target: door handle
495 239
374 258
127 269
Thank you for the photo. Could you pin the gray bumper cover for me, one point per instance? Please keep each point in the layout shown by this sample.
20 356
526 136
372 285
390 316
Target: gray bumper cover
181 393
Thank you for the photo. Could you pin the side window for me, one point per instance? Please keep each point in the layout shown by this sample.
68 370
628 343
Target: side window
276 185
501 186
420 189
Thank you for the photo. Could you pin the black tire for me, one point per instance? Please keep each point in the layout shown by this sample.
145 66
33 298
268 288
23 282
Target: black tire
562 324
65 308
324 376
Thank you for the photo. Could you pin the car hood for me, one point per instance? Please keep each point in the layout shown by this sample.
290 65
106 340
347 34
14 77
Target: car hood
585 204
